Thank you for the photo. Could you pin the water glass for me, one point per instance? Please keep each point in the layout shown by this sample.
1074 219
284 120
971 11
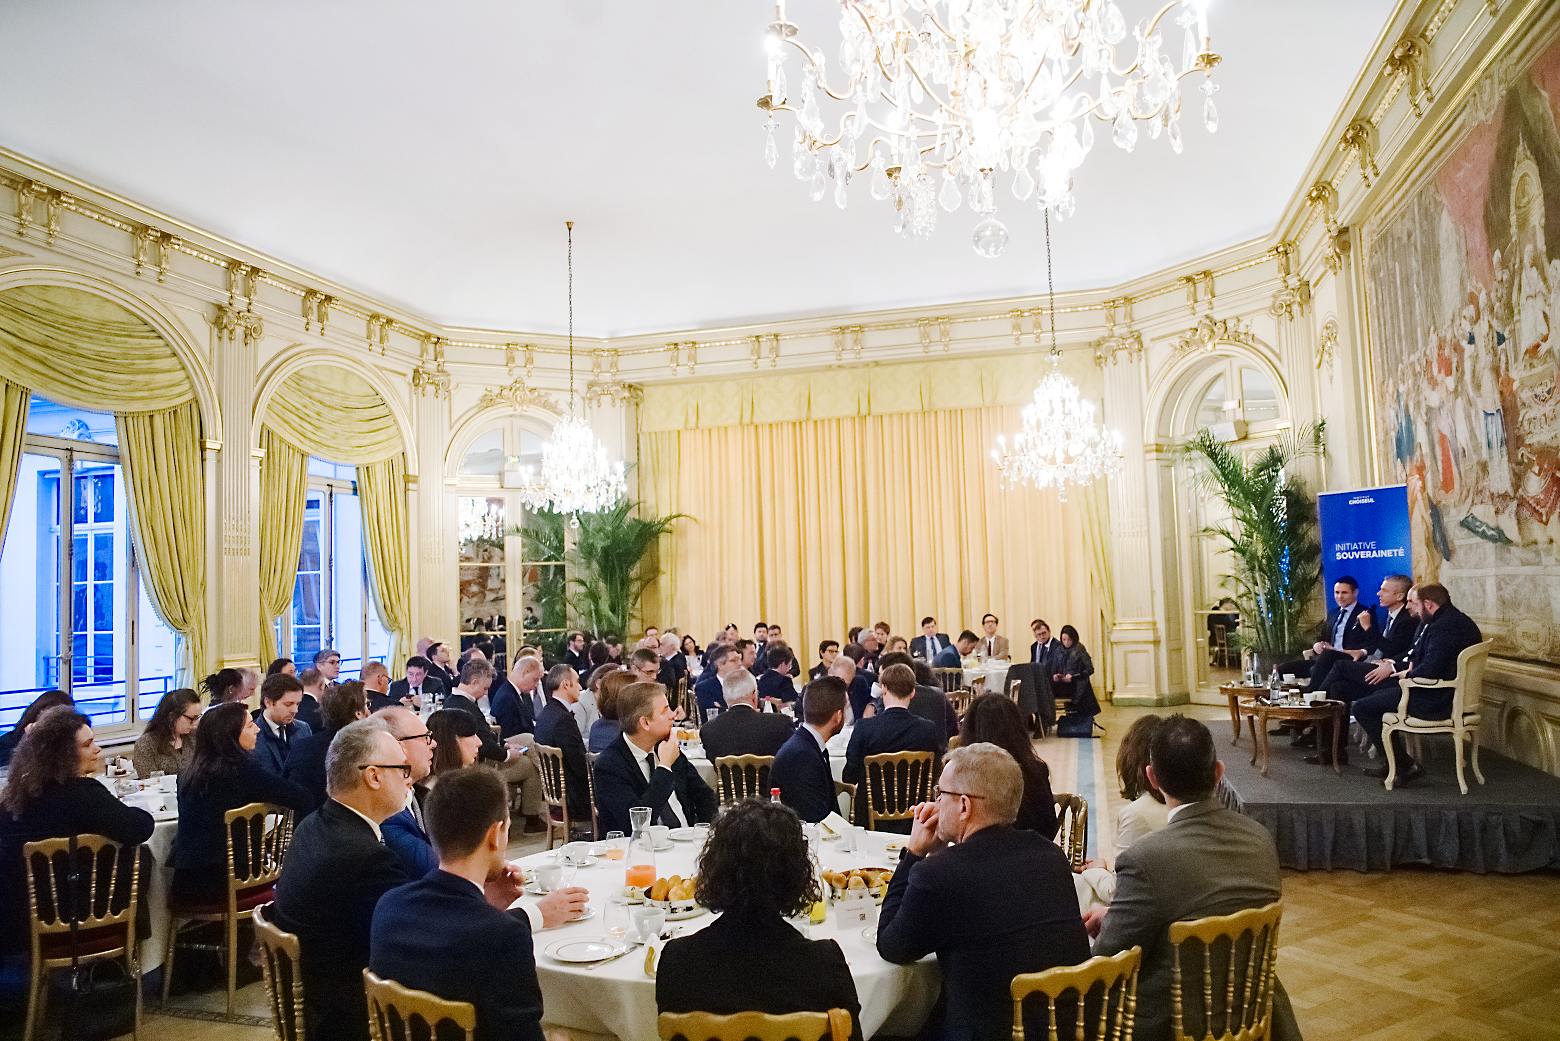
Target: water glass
615 847
614 918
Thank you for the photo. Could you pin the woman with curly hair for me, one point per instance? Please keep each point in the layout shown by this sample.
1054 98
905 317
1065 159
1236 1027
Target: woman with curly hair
755 873
995 719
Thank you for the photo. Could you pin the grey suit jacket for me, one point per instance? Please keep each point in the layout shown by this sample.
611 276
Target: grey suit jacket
1207 861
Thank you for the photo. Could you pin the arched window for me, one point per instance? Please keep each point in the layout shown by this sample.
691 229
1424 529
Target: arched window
1236 393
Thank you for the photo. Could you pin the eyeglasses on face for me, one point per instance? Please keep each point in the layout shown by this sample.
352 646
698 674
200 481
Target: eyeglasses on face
192 718
405 768
424 736
938 792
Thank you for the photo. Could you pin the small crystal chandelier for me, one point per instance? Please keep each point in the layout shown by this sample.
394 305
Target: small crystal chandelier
937 98
576 476
1060 445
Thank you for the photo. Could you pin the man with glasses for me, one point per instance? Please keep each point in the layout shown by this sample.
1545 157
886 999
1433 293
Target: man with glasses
328 661
989 900
406 832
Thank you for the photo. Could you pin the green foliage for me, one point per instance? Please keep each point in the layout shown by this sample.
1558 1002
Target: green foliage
1272 537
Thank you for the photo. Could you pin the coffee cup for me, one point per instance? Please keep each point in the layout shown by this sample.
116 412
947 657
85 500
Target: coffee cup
548 876
660 834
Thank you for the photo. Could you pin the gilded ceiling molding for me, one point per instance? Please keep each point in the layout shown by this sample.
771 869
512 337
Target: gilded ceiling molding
430 375
1120 341
1210 331
1327 345
1359 140
242 280
846 337
1293 297
26 193
376 330
614 391
1199 288
53 203
232 324
517 394
1407 63
1324 195
680 351
316 310
942 326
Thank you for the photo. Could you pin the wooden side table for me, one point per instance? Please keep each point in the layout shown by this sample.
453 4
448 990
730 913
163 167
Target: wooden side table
1236 692
1330 713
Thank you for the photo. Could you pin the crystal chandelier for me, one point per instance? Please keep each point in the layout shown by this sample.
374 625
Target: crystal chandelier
1060 445
576 476
939 99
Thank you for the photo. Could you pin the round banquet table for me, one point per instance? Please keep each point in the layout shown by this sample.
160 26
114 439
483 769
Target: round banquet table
154 886
994 671
618 999
701 760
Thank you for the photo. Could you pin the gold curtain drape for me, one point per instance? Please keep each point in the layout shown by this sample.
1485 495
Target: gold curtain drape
14 400
327 411
284 491
382 495
161 455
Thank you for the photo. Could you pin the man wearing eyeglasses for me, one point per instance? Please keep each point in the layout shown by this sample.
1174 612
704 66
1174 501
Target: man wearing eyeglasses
406 832
989 900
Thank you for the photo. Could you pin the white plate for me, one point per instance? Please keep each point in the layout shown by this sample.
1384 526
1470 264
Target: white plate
662 847
688 834
585 915
582 951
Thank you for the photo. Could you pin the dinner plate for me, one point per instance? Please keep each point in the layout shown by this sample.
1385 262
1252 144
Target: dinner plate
688 834
582 951
585 915
661 847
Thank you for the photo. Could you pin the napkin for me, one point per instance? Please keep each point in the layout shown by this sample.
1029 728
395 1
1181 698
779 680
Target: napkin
835 824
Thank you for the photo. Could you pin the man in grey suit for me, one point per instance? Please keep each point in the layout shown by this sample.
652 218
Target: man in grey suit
1207 861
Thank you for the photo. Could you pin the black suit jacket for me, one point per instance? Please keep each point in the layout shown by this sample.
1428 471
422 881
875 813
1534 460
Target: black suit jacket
306 765
439 934
743 730
1446 636
1397 636
751 962
892 730
493 750
579 661
860 695
333 877
202 839
931 704
621 784
773 685
309 712
919 649
558 728
1042 655
270 752
514 711
1355 637
801 772
998 904
672 670
709 692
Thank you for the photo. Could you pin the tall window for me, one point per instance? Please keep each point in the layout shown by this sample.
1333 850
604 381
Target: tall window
74 613
332 603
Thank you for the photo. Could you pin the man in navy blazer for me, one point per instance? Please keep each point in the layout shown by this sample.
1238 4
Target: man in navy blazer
776 685
557 728
646 768
895 729
448 933
515 700
742 729
1346 681
801 767
990 901
1341 633
406 833
723 661
280 727
930 642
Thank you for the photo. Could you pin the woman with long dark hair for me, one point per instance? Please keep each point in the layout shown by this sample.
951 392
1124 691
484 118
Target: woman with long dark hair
456 743
994 718
41 704
282 665
166 744
1071 679
223 775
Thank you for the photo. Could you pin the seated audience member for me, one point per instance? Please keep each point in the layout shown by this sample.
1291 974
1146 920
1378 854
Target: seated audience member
1071 668
517 699
439 657
898 644
930 702
599 655
895 729
992 644
328 661
166 744
606 729
448 932
406 832
223 775
760 648
584 708
575 655
748 650
828 650
1447 633
742 729
512 763
754 872
671 665
723 662
1341 633
871 647
614 649
645 664
930 643
776 686
455 743
313 694
1145 812
1207 861
693 657
858 687
994 719
280 727
376 686
340 706
1043 647
558 728
223 686
990 900
52 792
801 767
953 657
1348 680
41 704
410 689
646 768
336 870
284 665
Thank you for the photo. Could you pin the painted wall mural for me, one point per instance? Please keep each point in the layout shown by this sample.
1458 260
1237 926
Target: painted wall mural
1464 296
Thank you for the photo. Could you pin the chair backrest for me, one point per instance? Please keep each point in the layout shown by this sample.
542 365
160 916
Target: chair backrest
949 679
394 1013
741 777
1072 826
590 781
279 958
960 699
1107 988
1469 693
1014 689
555 781
258 835
690 705
833 1025
896 781
98 888
1234 955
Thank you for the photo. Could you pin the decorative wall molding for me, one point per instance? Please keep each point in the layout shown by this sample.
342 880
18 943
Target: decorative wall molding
520 395
1327 344
1359 140
1407 63
1209 332
431 376
613 392
1120 340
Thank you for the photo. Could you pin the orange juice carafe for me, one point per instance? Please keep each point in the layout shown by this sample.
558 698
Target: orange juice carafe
639 870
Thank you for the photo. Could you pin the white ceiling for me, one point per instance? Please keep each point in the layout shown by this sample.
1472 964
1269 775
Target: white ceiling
428 153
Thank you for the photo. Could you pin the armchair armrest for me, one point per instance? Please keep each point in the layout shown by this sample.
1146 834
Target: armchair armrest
1409 685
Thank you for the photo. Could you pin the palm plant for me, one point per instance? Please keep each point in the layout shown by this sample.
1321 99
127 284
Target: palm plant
1271 537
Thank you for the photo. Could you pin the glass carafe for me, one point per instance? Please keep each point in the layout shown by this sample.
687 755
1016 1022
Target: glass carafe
639 865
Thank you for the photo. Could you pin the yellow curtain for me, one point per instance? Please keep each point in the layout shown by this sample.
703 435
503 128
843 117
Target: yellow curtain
284 489
160 452
14 399
335 414
382 495
821 524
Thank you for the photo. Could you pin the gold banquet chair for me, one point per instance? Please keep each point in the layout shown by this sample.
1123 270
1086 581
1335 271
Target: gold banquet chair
833 1025
949 679
739 777
555 796
394 1012
896 781
1467 696
279 958
106 929
960 699
1237 955
1072 826
1105 987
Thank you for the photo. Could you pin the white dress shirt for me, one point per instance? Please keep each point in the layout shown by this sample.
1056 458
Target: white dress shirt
644 768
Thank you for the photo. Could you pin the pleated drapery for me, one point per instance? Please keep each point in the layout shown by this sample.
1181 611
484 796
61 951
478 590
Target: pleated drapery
382 496
284 493
334 414
14 401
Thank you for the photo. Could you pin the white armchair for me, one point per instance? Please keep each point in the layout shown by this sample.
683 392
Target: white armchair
1467 694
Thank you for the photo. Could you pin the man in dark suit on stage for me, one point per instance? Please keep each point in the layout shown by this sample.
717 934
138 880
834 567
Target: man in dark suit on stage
989 900
557 728
1341 634
930 641
646 768
741 729
417 683
801 769
895 729
1346 681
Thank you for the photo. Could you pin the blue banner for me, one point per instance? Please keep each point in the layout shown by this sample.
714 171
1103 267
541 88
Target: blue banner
1365 534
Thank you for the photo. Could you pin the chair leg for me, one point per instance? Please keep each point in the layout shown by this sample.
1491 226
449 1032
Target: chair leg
167 965
1473 741
37 991
135 978
1462 782
1391 758
232 961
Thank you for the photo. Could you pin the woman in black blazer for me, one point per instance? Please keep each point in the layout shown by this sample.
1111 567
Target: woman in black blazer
754 871
1071 679
52 792
223 776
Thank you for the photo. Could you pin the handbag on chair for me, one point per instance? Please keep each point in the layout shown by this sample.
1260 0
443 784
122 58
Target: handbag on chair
101 1000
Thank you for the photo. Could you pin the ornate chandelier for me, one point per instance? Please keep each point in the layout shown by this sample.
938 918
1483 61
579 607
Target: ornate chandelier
576 476
1060 445
939 99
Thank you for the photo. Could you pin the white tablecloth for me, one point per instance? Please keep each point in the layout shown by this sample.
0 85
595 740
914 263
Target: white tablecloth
995 671
618 999
155 884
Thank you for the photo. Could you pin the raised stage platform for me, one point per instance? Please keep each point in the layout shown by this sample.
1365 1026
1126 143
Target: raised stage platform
1322 821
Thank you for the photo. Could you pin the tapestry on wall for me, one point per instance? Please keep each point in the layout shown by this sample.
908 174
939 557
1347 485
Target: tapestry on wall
1464 284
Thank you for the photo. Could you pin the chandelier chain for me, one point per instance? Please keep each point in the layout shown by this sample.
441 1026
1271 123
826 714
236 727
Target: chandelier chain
1050 291
569 225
